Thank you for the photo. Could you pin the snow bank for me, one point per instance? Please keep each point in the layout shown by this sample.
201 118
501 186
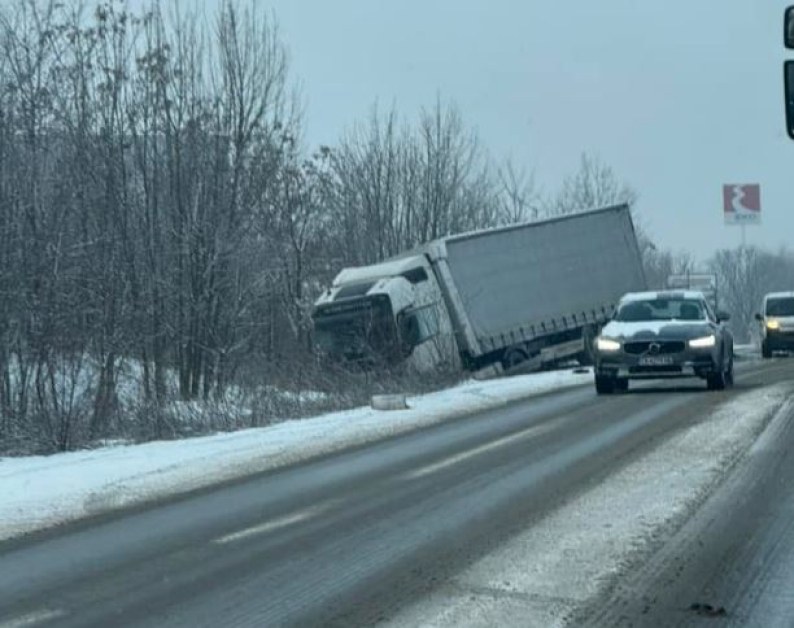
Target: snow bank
41 491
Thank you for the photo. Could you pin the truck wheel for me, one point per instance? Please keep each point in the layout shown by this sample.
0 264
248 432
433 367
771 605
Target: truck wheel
604 384
513 357
766 352
621 385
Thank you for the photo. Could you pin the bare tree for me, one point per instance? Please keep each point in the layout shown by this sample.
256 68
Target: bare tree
135 154
42 238
209 111
395 186
451 156
520 199
659 264
593 185
745 275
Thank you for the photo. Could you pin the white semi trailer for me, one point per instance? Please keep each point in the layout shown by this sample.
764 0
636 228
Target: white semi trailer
534 293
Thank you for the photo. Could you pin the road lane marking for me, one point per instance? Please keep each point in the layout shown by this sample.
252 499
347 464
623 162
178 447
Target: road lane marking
275 524
32 619
535 430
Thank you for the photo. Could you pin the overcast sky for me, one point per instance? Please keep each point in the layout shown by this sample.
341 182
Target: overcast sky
678 96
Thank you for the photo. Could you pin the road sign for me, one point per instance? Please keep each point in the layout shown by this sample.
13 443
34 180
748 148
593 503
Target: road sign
742 204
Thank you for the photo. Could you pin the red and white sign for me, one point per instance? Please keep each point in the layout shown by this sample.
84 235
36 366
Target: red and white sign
742 204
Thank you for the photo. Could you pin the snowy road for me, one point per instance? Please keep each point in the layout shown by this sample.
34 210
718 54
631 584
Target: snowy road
522 515
733 562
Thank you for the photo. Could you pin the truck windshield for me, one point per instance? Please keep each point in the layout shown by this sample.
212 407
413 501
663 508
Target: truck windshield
361 330
783 306
661 310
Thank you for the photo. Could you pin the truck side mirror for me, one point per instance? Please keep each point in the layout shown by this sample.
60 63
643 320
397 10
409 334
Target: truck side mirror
758 317
788 33
788 72
723 316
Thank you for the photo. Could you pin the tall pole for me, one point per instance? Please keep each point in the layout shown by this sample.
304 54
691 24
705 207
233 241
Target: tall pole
744 236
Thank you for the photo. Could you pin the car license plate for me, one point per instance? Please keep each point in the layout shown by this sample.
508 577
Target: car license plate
656 360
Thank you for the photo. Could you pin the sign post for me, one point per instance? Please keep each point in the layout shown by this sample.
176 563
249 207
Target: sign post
741 205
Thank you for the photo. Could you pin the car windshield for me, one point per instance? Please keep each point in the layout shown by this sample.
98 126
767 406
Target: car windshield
780 306
661 310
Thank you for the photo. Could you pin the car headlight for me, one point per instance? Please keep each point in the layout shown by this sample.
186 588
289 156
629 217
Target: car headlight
607 344
773 324
704 342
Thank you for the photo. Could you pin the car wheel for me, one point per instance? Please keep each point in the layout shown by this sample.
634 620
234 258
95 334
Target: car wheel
729 373
717 380
621 385
513 357
766 352
604 384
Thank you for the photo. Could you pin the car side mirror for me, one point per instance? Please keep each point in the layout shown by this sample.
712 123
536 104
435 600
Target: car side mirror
758 317
723 316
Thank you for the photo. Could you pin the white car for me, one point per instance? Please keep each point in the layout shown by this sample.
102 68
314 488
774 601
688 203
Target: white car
777 323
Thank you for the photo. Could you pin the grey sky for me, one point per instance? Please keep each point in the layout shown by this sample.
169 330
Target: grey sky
677 96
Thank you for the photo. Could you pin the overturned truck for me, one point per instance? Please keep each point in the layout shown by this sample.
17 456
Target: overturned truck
527 295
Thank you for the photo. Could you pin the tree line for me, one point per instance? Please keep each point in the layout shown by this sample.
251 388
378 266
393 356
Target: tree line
158 206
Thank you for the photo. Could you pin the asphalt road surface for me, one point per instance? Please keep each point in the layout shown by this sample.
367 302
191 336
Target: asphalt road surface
351 538
732 564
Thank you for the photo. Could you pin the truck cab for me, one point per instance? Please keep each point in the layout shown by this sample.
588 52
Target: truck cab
386 314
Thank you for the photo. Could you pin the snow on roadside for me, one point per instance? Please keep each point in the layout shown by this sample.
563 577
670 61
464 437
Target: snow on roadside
565 560
42 491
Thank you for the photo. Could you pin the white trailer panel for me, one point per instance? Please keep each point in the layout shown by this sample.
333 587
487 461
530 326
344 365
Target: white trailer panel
519 283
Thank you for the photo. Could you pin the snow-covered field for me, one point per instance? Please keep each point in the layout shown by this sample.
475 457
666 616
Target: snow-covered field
42 491
542 576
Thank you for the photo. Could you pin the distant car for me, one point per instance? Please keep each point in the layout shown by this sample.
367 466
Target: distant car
663 335
777 323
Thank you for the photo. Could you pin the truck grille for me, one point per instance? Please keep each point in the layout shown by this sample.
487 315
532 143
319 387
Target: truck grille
644 346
